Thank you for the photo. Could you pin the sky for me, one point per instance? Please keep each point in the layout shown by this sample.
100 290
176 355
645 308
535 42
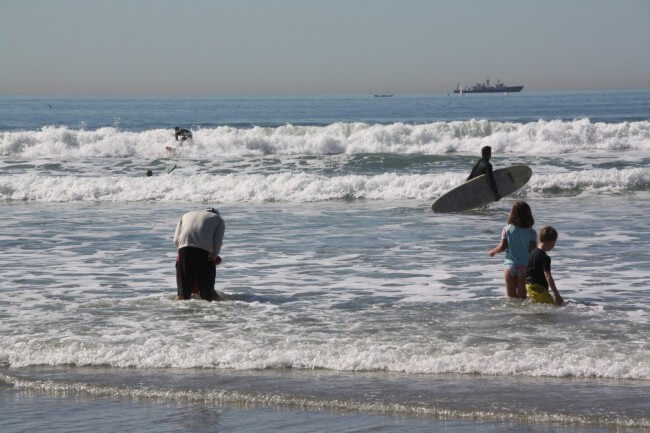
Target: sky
275 47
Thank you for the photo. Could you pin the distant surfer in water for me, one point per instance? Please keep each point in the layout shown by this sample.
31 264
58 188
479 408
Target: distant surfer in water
184 134
483 166
198 238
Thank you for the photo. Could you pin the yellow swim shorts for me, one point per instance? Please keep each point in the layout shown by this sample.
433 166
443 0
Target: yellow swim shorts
539 293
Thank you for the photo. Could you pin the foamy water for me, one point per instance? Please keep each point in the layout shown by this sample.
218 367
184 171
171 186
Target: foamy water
325 294
298 187
535 138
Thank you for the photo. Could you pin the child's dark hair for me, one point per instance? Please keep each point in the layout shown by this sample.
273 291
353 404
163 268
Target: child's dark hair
521 215
548 233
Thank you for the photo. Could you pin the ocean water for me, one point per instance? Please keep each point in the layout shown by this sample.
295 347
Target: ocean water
349 305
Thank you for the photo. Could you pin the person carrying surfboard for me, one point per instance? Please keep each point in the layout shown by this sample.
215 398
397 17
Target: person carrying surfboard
483 166
198 238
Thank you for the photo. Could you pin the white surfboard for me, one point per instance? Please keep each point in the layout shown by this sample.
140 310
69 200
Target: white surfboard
476 192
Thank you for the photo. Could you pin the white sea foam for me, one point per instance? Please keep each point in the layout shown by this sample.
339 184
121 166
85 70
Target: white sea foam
296 187
535 138
230 349
368 286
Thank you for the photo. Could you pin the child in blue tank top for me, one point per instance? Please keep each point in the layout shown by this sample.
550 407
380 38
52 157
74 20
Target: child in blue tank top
518 239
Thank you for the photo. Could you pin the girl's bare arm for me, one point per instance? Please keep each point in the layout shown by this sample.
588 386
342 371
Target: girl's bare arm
499 248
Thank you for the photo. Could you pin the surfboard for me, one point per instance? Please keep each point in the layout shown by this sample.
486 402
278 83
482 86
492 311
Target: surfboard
476 192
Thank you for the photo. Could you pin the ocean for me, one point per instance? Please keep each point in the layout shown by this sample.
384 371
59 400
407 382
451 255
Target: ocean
349 305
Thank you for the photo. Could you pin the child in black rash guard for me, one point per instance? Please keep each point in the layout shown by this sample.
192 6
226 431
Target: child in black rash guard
538 272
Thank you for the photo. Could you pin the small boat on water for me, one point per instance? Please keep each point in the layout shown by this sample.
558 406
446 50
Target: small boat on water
383 95
499 87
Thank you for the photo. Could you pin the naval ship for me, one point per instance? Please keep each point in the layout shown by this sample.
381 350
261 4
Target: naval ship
486 88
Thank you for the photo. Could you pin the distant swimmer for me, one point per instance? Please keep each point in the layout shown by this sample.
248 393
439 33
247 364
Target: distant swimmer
483 166
184 134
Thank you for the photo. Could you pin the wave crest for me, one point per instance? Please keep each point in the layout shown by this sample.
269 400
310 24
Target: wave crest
541 137
297 187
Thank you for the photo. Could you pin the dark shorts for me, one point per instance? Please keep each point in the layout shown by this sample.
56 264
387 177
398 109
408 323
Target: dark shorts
195 273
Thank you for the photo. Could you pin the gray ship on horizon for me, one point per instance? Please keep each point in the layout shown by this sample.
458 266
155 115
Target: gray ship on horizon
499 87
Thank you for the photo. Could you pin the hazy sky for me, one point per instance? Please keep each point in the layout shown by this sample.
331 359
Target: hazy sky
202 47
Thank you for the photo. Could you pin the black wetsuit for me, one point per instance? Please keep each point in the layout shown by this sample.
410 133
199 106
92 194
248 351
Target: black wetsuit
183 133
484 167
195 271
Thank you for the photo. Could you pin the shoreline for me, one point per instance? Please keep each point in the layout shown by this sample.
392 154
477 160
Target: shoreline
571 403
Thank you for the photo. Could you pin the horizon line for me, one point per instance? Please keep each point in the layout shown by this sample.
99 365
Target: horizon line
300 94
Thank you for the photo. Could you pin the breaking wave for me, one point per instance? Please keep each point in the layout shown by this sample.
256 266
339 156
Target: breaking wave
534 138
297 187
